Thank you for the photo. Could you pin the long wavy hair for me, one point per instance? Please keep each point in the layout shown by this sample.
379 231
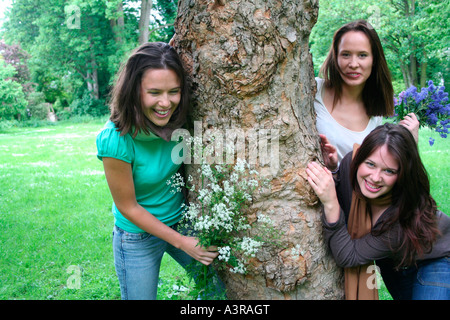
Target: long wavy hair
413 206
378 92
125 102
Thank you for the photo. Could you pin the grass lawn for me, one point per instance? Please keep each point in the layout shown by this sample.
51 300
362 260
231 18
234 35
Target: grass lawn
56 220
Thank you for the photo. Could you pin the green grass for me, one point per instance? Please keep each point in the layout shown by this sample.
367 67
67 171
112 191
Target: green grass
435 159
55 213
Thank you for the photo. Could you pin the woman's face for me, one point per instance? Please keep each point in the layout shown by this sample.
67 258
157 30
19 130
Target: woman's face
355 58
378 174
160 95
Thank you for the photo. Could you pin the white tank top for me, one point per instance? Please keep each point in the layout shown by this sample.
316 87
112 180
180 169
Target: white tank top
338 135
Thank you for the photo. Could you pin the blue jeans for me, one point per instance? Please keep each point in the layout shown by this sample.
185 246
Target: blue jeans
137 258
430 280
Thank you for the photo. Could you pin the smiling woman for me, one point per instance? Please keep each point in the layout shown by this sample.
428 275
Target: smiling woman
355 60
377 175
356 89
382 210
160 95
150 100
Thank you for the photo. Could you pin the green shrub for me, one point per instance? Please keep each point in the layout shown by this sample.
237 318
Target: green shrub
87 105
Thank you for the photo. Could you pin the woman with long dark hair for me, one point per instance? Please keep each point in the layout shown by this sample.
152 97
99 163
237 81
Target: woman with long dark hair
355 90
149 101
382 194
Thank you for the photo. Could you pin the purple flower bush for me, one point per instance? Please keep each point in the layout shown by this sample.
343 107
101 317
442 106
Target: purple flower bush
431 106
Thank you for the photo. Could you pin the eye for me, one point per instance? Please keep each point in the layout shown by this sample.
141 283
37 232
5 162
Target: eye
390 172
370 164
174 91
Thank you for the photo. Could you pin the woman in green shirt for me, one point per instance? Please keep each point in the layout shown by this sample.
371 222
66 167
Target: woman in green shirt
149 101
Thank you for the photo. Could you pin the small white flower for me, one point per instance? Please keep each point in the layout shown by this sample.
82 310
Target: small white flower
240 268
234 177
224 253
204 196
264 219
216 188
207 171
176 182
252 183
240 165
250 246
228 188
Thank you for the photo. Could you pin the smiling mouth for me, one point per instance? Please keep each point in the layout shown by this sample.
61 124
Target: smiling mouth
371 187
162 113
353 75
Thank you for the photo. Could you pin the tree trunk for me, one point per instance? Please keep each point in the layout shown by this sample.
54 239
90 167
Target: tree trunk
144 20
410 8
252 72
413 67
118 24
405 73
92 74
409 75
423 69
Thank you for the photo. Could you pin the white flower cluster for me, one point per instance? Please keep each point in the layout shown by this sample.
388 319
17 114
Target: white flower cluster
177 182
240 268
250 247
224 253
177 290
221 218
204 196
264 219
218 215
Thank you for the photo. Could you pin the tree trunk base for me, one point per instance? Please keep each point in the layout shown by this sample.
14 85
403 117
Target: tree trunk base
252 73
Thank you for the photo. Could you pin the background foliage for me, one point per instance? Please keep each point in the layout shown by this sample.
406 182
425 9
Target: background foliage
65 53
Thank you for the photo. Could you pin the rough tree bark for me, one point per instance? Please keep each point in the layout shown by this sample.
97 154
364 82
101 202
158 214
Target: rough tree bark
251 69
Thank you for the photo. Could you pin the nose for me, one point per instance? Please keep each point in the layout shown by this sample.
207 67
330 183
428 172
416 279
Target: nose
376 176
164 100
353 62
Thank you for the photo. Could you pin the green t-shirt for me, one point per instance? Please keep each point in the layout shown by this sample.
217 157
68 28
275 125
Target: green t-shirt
152 166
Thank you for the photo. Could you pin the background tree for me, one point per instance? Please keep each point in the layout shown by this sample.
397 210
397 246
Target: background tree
76 47
144 20
69 47
252 71
12 98
15 56
164 20
156 20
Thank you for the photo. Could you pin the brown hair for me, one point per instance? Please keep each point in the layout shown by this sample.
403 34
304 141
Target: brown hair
378 93
126 106
414 207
